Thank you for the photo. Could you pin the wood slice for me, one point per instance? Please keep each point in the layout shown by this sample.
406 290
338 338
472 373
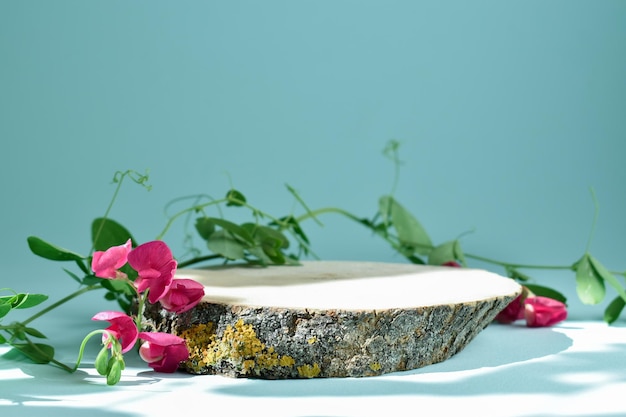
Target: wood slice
332 319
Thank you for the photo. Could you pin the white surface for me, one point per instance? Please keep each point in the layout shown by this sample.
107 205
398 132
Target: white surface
331 285
573 369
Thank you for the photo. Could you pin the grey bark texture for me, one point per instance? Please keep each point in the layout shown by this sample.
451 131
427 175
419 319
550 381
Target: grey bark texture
272 342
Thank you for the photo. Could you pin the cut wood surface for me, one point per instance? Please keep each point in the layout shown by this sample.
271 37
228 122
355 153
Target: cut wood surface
332 318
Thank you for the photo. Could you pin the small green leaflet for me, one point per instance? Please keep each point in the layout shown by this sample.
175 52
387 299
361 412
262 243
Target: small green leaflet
589 284
223 243
52 252
542 291
446 252
23 300
235 198
607 276
410 231
106 233
614 309
5 308
232 228
591 276
205 227
37 352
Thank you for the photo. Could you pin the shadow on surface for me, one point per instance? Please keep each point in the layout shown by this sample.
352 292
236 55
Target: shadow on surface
504 359
44 384
23 411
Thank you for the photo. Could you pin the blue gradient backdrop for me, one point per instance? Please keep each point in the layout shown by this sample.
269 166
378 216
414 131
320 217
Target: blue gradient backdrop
507 113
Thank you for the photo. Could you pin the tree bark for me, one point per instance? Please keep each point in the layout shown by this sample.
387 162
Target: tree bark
332 319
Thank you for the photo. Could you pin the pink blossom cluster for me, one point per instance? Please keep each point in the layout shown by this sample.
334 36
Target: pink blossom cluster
155 266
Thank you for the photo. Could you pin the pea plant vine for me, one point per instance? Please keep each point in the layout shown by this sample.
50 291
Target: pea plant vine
266 239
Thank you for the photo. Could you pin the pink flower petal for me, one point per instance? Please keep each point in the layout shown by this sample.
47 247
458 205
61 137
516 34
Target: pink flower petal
105 264
122 327
183 295
543 311
155 267
163 351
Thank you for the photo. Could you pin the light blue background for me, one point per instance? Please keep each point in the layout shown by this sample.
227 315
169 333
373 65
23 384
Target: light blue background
507 113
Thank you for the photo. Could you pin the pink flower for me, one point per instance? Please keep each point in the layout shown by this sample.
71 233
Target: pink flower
163 351
543 311
514 311
452 263
122 327
182 295
106 264
155 266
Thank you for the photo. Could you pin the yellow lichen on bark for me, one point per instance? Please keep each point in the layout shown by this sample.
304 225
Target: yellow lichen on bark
375 366
239 345
308 371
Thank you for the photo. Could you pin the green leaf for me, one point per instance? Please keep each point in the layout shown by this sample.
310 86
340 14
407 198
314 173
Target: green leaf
415 259
4 308
205 227
125 305
607 276
2 339
546 292
222 243
274 253
11 300
73 276
31 300
235 198
36 352
295 226
52 252
266 235
271 241
614 309
117 286
91 280
443 253
458 252
234 229
34 332
106 233
589 284
23 300
258 252
410 231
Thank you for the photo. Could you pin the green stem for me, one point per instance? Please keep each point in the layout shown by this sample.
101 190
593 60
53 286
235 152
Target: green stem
62 301
52 360
198 259
81 351
140 306
175 216
108 210
315 213
351 216
513 265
